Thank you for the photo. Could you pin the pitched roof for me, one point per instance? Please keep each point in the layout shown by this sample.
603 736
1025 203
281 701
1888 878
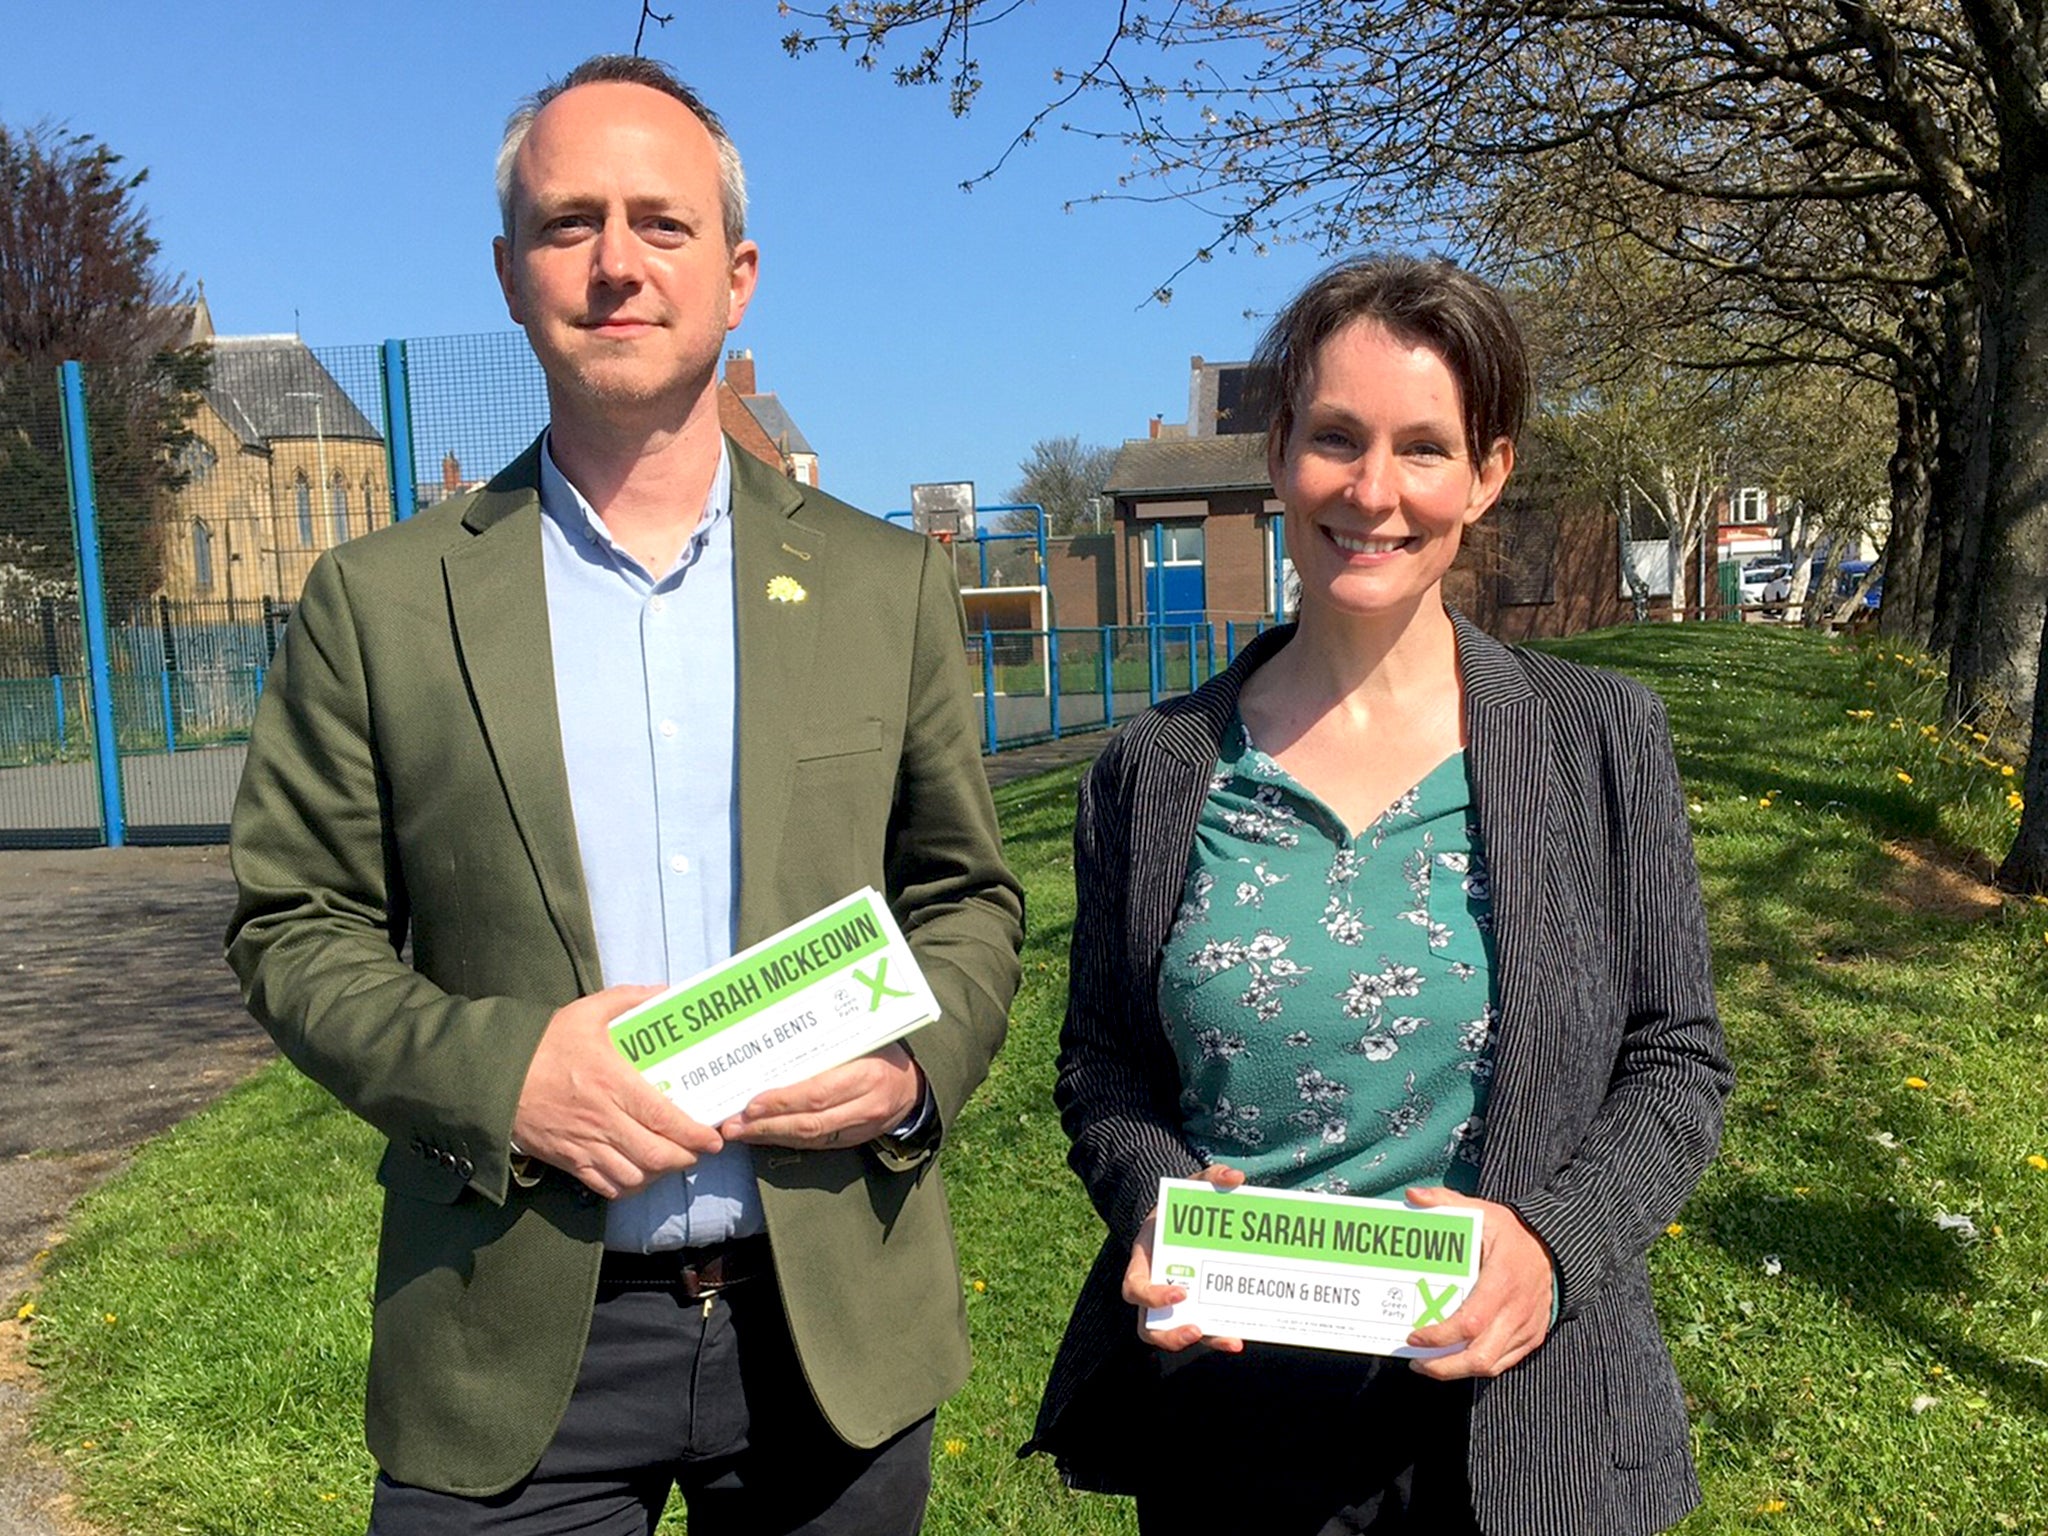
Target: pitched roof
269 387
776 422
1232 462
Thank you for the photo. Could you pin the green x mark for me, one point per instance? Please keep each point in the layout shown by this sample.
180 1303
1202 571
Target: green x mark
876 984
1433 1304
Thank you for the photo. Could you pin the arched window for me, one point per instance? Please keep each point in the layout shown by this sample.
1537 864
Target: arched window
195 461
337 506
202 555
370 518
302 498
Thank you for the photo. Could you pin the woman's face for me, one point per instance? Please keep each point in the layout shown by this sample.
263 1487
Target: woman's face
1377 479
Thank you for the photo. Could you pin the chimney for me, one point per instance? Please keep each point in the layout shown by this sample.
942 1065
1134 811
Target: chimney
1157 421
451 473
739 371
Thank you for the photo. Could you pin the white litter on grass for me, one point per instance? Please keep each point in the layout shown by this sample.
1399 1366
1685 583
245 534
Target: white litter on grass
1773 1265
1885 1139
1923 1402
1962 1226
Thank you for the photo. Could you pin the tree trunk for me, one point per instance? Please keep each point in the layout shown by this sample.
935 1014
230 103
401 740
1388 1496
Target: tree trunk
1962 465
1907 617
2026 863
1998 651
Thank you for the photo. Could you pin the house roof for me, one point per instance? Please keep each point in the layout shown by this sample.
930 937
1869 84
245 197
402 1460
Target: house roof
776 422
270 387
1232 462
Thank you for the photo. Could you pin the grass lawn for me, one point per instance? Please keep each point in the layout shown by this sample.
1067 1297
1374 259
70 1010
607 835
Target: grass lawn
1855 1297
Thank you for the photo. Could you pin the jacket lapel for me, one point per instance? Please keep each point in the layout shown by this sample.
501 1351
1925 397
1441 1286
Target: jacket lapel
497 599
1508 753
777 663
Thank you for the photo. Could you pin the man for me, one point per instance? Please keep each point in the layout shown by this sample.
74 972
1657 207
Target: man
638 703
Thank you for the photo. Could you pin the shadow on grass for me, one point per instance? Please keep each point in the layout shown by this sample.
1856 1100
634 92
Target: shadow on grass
1889 1265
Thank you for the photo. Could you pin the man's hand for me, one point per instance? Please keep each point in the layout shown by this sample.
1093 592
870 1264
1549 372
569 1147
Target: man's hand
1508 1313
842 1106
585 1110
1141 1293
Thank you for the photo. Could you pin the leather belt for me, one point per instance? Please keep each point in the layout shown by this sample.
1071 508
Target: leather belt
690 1272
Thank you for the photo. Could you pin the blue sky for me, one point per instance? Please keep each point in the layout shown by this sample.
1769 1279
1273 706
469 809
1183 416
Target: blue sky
326 168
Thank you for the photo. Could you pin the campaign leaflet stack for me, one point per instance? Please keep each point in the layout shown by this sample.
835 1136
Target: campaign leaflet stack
1284 1266
835 985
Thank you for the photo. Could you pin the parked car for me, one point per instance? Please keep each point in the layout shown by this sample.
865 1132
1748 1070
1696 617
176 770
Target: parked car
1760 576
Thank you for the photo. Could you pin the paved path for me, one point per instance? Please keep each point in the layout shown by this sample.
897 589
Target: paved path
123 946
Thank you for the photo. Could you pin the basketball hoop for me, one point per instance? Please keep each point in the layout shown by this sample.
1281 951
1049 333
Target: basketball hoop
943 535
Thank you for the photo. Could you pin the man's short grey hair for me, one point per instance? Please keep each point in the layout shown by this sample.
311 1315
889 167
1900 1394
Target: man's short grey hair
625 69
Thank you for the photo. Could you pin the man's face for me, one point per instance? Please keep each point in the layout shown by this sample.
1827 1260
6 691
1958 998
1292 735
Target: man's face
617 264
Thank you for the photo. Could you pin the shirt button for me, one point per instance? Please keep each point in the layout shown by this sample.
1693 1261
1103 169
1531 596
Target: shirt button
658 604
667 727
680 864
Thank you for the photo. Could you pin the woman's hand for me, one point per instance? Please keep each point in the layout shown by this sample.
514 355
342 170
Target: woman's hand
1508 1313
1141 1293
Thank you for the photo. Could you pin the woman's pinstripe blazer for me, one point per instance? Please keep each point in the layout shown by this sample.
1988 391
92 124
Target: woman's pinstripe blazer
1609 1068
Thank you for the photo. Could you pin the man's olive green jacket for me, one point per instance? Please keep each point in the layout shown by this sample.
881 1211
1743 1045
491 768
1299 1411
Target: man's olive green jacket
405 781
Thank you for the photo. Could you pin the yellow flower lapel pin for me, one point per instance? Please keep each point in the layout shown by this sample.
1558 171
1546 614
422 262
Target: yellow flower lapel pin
784 589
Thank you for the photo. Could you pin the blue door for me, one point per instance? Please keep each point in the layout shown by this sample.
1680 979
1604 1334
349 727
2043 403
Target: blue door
1176 583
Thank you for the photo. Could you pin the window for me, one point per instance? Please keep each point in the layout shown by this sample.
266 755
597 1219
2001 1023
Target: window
302 500
1752 505
1528 553
202 555
1283 587
370 506
337 506
195 461
1180 543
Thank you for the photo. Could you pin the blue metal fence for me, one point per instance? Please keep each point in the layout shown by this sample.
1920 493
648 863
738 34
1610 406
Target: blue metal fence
127 691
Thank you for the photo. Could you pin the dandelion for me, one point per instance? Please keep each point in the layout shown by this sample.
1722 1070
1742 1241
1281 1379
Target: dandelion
1763 803
329 1498
1771 1507
1916 1082
980 1286
1935 1370
1979 737
109 1319
1902 776
955 1447
24 1312
2037 1162
1930 731
1676 1229
1802 1189
2006 770
2013 801
88 1445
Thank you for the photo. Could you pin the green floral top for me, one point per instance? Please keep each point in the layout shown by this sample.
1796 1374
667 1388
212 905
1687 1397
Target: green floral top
1331 997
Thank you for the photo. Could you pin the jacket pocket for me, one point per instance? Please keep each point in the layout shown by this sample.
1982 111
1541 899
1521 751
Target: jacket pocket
1645 1404
844 739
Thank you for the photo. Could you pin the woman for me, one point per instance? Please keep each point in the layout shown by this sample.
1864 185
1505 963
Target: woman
1387 908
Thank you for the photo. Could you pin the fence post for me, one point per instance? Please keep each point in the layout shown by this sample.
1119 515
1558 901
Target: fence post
398 432
1153 660
988 688
170 720
57 692
1108 677
1208 649
1052 677
86 522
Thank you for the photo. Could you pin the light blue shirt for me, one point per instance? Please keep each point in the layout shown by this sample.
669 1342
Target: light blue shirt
646 674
